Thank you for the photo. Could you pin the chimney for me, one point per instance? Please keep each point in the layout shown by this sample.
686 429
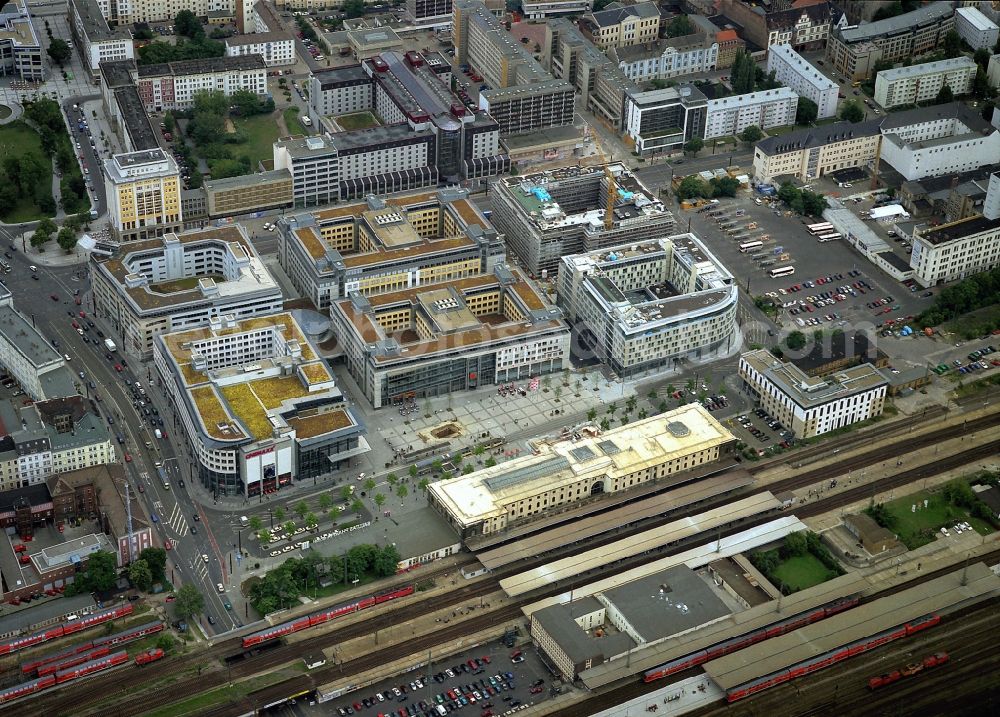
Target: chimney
954 181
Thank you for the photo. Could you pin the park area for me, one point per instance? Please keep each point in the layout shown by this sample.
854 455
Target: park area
261 132
916 527
800 561
803 571
21 152
357 120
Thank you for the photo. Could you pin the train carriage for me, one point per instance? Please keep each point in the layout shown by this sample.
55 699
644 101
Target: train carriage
26 688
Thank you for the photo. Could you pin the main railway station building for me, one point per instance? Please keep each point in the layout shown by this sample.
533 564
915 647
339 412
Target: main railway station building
659 448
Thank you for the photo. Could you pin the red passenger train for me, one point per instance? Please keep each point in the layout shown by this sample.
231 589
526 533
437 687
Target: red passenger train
318 618
89 668
13 645
832 657
935 660
79 659
119 638
751 638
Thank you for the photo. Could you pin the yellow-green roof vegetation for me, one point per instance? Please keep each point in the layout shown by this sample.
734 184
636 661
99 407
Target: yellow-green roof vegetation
191 376
316 373
212 412
247 407
272 392
317 425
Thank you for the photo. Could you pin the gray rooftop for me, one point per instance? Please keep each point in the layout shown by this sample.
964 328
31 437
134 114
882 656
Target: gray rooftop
953 110
88 430
752 98
378 136
614 16
685 43
248 180
547 87
927 68
94 24
921 17
28 341
257 38
819 136
203 66
135 119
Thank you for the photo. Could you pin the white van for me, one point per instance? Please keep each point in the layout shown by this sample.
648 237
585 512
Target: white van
158 433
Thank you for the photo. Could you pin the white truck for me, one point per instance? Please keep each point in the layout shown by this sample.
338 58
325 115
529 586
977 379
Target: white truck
110 345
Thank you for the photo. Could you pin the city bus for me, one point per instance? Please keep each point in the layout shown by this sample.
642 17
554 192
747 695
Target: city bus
822 228
749 246
163 478
832 236
781 271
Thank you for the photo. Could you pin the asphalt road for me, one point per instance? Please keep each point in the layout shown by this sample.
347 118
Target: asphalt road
174 508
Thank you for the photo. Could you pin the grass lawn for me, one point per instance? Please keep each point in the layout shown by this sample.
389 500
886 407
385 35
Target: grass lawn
18 139
778 131
169 287
261 132
975 323
358 120
292 120
803 572
920 527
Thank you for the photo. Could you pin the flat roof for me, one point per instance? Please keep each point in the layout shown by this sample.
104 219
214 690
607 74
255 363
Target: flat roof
807 391
203 66
244 181
804 69
26 339
958 230
649 442
927 68
749 99
258 38
976 18
869 619
135 119
836 347
94 24
910 21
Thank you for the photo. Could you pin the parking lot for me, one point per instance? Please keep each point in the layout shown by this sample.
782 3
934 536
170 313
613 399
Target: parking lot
490 680
759 431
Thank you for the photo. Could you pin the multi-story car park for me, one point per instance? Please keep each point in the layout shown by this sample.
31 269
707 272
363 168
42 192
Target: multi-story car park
793 71
20 50
921 83
659 120
448 337
810 406
975 28
811 153
27 357
652 449
668 58
650 304
49 437
547 215
259 407
180 281
377 245
635 24
98 42
143 191
728 116
277 48
173 85
854 50
937 140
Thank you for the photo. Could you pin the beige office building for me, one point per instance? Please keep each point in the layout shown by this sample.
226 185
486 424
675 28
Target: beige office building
814 152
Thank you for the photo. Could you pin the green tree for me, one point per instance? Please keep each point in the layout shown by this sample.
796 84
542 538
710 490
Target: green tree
694 145
59 51
289 528
679 26
424 482
264 536
981 87
325 501
743 73
806 112
189 602
356 505
591 414
301 508
156 559
724 186
468 468
187 25
795 544
353 8
379 500
490 462
333 514
944 96
39 237
101 572
413 471
605 424
66 239
279 512
612 408
851 111
982 57
165 642
168 122
140 575
246 103
795 340
751 134
346 492
887 10
952 44
386 561
692 186
311 521
402 491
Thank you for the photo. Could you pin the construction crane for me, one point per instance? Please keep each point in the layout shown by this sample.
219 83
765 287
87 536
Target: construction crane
609 202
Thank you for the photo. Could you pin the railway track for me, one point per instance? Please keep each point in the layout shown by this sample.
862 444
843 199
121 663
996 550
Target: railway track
56 703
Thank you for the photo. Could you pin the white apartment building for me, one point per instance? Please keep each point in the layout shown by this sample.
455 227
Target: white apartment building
793 71
665 59
277 48
28 358
648 305
811 153
729 116
937 140
975 28
172 85
809 405
950 252
259 407
180 281
98 42
921 83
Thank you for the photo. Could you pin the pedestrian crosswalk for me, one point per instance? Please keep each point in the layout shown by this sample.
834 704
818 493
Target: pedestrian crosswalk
200 568
177 522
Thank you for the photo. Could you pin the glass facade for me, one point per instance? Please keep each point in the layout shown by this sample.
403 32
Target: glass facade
314 461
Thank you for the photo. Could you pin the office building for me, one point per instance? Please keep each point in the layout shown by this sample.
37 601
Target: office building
551 214
854 50
729 116
804 26
98 42
937 140
922 83
258 407
428 12
811 406
668 58
123 108
51 436
277 48
522 96
381 245
544 9
660 448
340 91
622 26
172 85
181 281
975 28
450 336
143 191
20 49
248 193
649 305
953 251
792 70
817 151
27 358
664 120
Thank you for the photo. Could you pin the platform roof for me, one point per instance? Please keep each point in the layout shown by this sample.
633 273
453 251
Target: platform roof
643 542
883 614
